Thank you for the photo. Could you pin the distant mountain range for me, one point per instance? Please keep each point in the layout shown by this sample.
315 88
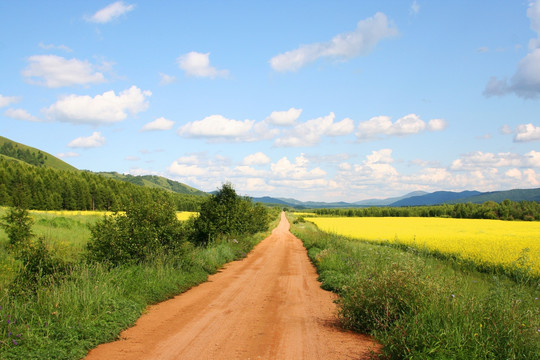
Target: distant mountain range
417 198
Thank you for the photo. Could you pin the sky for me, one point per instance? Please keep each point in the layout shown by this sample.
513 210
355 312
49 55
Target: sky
312 100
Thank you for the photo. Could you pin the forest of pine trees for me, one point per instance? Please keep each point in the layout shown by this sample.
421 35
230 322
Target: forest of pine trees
45 188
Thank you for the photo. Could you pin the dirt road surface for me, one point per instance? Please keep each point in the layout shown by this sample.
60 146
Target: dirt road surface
266 306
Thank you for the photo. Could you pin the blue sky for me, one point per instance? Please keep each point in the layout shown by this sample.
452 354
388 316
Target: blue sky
313 100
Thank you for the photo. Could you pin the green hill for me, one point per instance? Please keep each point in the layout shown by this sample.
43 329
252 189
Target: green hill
14 150
154 181
499 196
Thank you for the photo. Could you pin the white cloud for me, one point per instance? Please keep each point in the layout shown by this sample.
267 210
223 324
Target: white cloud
165 79
190 159
136 171
55 47
110 12
185 170
480 160
377 166
257 184
7 100
198 65
158 124
513 173
55 71
20 114
409 124
102 109
310 132
217 126
284 117
69 154
256 159
525 82
415 7
506 130
532 159
343 46
437 125
92 141
527 132
298 170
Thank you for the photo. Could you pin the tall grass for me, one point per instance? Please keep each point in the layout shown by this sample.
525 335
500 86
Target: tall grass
92 303
422 307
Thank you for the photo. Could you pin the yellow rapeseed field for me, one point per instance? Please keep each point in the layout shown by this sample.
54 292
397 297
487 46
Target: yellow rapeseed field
180 215
507 243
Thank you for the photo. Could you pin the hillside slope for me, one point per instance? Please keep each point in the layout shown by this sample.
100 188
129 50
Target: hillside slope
154 181
32 156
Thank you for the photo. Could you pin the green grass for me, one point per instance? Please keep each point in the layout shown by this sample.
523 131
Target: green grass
423 307
92 303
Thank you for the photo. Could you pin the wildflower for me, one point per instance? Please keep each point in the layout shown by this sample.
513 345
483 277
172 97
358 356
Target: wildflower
15 342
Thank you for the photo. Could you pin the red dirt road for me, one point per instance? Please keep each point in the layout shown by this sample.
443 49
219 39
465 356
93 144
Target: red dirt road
266 306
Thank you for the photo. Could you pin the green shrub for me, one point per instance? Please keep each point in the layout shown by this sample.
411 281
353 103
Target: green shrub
228 215
17 224
144 230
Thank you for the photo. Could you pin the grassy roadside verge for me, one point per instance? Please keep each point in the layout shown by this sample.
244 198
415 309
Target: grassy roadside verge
421 307
93 303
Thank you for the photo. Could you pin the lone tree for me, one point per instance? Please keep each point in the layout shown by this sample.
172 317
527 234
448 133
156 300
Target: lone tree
227 214
17 224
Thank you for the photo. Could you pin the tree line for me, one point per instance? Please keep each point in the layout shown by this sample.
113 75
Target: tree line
505 210
46 188
33 158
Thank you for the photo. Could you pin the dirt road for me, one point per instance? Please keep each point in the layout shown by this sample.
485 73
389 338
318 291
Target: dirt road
266 306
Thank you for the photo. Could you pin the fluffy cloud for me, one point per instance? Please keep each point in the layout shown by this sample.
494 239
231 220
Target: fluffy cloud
110 12
256 159
7 100
415 8
198 65
525 82
186 170
20 114
284 117
310 132
217 126
298 170
410 124
55 71
92 141
165 79
69 154
343 46
527 132
55 47
106 108
480 160
158 124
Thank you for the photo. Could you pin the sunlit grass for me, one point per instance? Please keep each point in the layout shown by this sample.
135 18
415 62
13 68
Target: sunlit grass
507 243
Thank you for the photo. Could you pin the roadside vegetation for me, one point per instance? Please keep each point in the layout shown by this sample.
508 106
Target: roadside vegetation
423 306
505 210
60 297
